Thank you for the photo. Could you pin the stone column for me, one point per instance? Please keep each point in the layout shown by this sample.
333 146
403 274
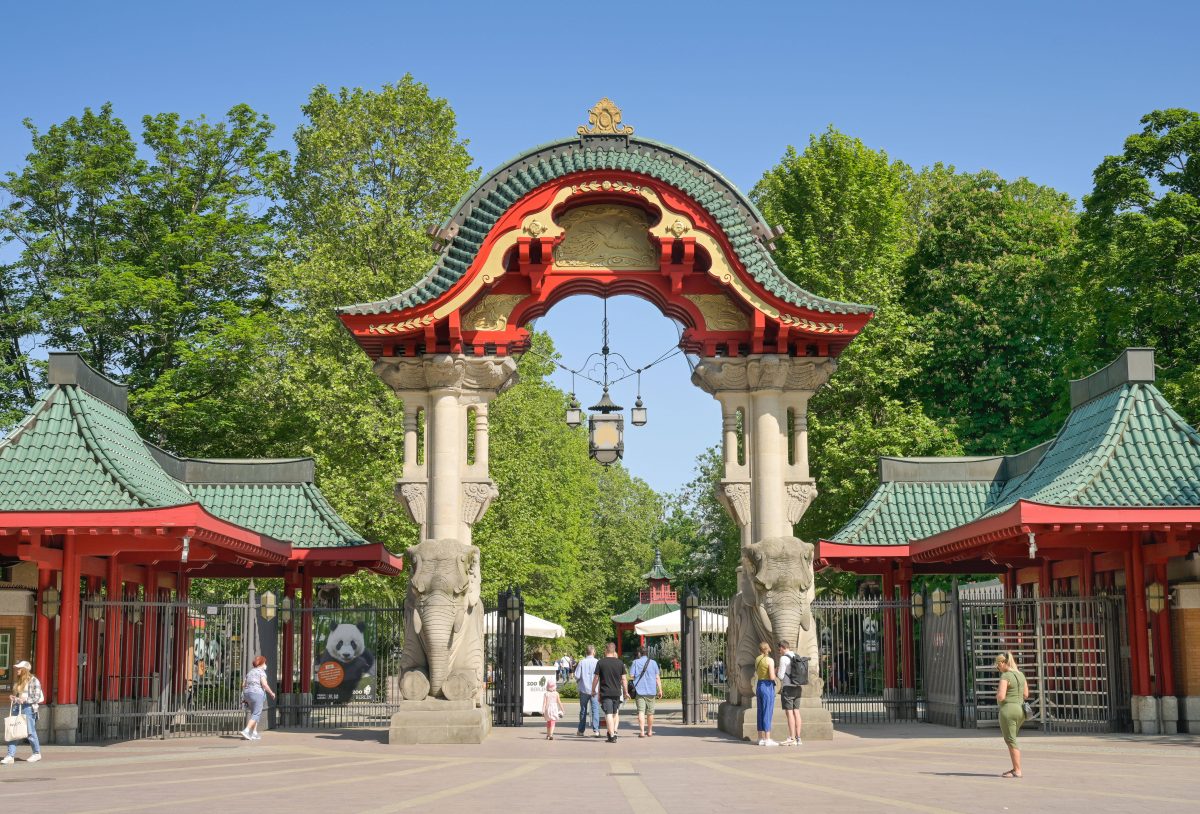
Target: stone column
445 495
767 496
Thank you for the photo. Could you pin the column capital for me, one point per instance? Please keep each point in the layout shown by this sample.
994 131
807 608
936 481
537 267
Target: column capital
719 375
413 495
800 495
480 376
735 497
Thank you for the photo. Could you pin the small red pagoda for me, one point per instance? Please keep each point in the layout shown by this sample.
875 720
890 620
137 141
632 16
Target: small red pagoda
657 598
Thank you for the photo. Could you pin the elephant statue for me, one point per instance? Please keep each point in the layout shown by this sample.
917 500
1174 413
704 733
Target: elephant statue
773 603
443 623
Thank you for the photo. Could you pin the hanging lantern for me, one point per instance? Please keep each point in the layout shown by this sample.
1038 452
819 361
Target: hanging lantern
637 416
606 431
574 413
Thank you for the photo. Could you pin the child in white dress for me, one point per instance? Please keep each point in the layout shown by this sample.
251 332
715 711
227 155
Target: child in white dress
552 708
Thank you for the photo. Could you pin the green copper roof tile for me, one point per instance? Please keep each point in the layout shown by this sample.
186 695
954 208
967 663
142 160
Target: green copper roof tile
644 611
483 206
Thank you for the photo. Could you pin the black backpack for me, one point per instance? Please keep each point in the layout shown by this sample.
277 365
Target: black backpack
797 673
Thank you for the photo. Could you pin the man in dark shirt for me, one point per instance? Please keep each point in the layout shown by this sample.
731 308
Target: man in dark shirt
611 684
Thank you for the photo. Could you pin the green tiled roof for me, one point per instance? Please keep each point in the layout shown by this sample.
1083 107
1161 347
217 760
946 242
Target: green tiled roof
482 207
1121 446
296 512
78 451
1127 447
658 571
644 611
898 512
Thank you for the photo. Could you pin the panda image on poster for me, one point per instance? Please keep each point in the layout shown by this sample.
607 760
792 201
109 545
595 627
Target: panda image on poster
345 669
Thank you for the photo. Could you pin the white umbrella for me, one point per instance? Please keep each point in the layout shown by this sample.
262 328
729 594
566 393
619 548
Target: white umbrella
534 627
670 623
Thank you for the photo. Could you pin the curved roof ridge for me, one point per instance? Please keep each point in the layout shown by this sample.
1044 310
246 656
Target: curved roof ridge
31 418
477 212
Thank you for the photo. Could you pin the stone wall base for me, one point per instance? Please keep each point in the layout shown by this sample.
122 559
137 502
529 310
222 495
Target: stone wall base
440 722
65 724
1189 707
1155 716
740 721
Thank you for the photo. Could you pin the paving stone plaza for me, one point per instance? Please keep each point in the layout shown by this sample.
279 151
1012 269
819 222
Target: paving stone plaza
911 767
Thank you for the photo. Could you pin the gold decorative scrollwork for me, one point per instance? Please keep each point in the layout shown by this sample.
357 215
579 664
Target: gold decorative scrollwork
719 313
607 186
604 119
492 313
401 327
605 236
809 325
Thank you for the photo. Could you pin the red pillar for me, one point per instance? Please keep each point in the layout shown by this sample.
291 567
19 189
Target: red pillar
889 630
1140 643
306 635
43 657
112 631
289 636
1163 646
68 640
908 665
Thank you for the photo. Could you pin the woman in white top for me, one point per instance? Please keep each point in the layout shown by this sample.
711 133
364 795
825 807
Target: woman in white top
254 694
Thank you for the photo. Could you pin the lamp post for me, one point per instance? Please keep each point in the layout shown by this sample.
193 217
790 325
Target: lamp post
690 655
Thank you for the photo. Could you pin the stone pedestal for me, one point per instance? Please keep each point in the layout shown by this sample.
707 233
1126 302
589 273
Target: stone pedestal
65 723
816 724
436 721
1168 714
1190 707
1145 711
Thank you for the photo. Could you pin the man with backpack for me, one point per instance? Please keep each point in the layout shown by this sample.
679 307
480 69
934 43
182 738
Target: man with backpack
793 675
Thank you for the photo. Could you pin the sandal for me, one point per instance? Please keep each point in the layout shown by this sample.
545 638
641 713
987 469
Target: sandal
1010 773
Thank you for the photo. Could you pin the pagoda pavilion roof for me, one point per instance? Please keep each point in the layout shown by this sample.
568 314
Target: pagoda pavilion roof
1121 447
644 611
77 453
658 571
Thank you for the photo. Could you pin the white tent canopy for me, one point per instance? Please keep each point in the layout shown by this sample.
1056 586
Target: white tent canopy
534 626
670 623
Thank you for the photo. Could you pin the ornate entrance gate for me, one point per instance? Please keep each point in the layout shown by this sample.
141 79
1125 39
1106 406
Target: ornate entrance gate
605 213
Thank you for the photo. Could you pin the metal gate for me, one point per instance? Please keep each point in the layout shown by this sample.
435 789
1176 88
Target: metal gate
862 646
163 669
1071 650
353 675
703 676
506 654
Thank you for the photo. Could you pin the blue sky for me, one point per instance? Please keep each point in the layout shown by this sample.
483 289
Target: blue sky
1043 90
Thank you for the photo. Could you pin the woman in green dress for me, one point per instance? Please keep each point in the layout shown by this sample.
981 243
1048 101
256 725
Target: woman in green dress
1010 695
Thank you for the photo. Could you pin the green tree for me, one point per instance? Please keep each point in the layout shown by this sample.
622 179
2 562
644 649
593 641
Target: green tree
1140 269
847 213
152 268
372 170
990 281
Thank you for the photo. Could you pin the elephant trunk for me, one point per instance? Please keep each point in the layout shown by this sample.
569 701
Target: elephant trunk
438 612
785 613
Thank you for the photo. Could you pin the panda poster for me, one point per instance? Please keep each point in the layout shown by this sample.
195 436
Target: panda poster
344 668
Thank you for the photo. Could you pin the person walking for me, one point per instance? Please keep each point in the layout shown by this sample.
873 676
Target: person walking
26 697
1010 695
585 671
254 694
611 683
789 692
647 687
552 708
764 693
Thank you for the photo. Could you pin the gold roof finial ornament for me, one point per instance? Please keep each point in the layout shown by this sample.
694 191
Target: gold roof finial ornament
605 120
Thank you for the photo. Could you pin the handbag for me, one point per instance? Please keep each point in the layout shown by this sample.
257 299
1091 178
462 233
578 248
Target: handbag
16 726
633 684
1026 707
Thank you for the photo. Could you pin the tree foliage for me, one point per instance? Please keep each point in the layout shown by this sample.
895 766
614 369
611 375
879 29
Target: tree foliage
1140 258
